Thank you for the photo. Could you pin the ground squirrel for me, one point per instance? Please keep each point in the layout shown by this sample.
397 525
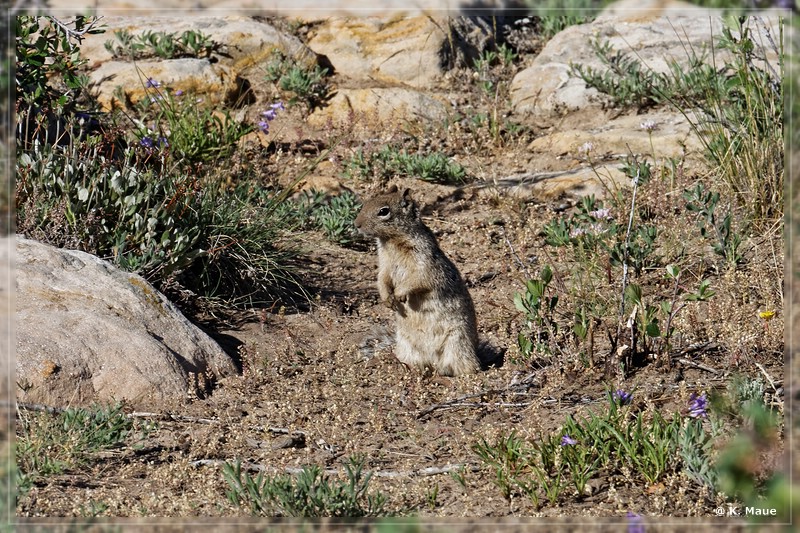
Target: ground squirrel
436 325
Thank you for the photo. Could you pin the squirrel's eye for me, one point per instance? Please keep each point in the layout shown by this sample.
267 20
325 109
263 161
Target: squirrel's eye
383 212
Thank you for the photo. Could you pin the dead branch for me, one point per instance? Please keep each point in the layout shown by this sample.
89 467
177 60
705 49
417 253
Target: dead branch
167 417
698 365
421 472
458 399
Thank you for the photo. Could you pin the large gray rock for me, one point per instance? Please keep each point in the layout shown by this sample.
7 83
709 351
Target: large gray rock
88 331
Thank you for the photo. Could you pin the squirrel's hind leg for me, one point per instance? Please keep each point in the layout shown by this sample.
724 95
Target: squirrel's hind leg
458 357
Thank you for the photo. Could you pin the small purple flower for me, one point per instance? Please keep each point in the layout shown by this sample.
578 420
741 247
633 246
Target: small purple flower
162 141
566 440
648 125
272 112
635 523
263 125
577 232
698 405
179 92
152 83
622 397
601 214
585 148
147 142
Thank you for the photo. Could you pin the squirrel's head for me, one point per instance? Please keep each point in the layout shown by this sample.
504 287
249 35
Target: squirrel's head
387 215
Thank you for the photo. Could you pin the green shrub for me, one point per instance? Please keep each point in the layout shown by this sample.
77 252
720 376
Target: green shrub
193 133
645 445
163 45
741 126
336 218
146 198
155 220
554 16
305 84
736 109
50 444
50 85
390 161
311 493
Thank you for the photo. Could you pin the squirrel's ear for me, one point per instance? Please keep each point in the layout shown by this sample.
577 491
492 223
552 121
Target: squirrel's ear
407 203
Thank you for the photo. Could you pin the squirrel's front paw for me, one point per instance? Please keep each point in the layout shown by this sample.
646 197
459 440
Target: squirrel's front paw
396 302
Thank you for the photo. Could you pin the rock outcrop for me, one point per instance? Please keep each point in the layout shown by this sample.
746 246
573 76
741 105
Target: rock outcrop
87 331
247 44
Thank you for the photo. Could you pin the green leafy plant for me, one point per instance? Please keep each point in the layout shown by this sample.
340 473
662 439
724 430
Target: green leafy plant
696 448
49 79
538 306
704 203
311 493
164 45
389 161
670 308
647 445
736 108
554 16
628 83
306 84
510 458
581 450
336 217
193 133
49 444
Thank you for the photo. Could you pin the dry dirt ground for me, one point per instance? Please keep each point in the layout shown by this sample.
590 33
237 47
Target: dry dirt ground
314 389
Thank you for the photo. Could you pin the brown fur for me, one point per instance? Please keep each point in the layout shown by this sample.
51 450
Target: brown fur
436 324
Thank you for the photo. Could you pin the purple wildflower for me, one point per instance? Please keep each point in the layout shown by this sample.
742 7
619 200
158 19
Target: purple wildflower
269 115
147 142
698 405
648 125
152 83
635 523
601 214
622 397
577 232
566 440
179 92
